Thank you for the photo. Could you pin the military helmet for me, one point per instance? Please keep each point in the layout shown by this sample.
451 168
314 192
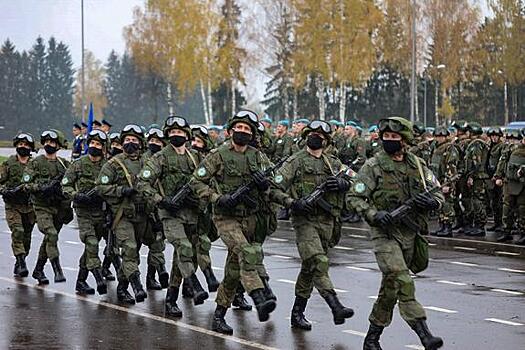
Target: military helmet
55 135
155 132
24 136
245 116
514 134
494 132
399 125
177 122
461 125
260 128
441 131
114 137
98 135
132 130
476 128
418 128
318 126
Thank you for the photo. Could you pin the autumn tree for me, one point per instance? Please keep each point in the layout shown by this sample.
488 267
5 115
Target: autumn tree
93 84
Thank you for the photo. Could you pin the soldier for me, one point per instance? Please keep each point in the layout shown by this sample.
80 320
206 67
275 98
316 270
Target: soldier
42 178
222 172
353 153
162 177
106 126
297 130
283 141
495 193
374 144
385 182
214 133
115 147
461 143
155 141
117 184
338 136
443 164
78 184
78 142
315 228
422 143
19 213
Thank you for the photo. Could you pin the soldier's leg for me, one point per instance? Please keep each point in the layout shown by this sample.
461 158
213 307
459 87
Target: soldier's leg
507 217
183 249
88 236
46 218
520 201
479 214
497 205
156 261
15 224
228 286
127 243
28 221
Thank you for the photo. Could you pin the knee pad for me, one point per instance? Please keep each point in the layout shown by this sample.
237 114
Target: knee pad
406 286
320 264
185 250
251 255
204 243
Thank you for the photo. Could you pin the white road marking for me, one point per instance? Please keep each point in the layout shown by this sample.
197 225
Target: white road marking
439 309
71 242
452 283
351 331
374 297
508 323
464 248
217 268
340 290
278 239
357 229
219 247
416 347
506 291
69 268
146 315
281 257
286 281
143 255
463 263
343 248
510 270
358 268
358 236
432 244
506 253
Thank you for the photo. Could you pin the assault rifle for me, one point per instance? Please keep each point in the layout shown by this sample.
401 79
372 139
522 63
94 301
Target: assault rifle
316 196
111 250
16 195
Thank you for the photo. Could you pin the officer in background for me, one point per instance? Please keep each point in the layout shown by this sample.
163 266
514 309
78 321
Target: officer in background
78 142
495 193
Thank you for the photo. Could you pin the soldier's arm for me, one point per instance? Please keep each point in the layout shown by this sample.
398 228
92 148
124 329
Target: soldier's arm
281 183
106 184
30 177
69 181
359 195
150 173
361 154
432 181
203 176
4 175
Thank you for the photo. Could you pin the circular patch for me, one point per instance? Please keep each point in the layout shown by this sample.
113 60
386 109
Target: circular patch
280 141
65 181
278 179
104 179
359 187
146 174
201 172
26 178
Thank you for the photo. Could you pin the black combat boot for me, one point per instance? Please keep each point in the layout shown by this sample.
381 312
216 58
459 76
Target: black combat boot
187 291
504 236
521 239
171 307
495 227
38 272
57 269
82 287
268 293
446 231
219 323
151 282
372 337
477 231
264 306
211 280
102 287
122 293
164 276
297 319
427 339
136 285
199 294
240 302
438 231
106 272
339 312
20 266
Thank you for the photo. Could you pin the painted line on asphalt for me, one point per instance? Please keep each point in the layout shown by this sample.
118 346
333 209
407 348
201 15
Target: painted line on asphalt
416 347
357 229
505 322
71 242
197 329
286 281
511 292
340 290
281 257
343 248
506 253
440 309
219 247
470 249
278 239
351 331
510 270
217 268
452 283
358 236
374 297
463 263
432 244
358 268
70 268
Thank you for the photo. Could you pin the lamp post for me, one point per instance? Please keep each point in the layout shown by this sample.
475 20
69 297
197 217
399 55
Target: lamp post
505 97
83 67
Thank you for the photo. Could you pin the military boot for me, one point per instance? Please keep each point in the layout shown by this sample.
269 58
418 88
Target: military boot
477 231
82 287
20 266
372 337
503 236
495 227
136 285
164 276
171 307
339 312
268 293
264 306
446 231
297 319
199 294
38 272
438 231
219 323
151 282
57 269
106 272
102 287
187 291
521 239
427 339
122 293
211 280
240 302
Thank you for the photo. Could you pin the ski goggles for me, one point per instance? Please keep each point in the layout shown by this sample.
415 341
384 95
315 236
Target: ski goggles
154 132
391 125
134 128
247 114
176 121
98 133
24 136
322 125
50 134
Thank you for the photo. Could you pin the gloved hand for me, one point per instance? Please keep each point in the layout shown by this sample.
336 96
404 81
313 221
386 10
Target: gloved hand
425 201
8 195
191 201
301 206
128 191
260 180
82 198
48 190
140 208
226 201
337 184
166 203
383 218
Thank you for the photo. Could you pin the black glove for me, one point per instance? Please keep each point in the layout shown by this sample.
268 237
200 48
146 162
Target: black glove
261 181
226 201
425 201
8 195
140 208
383 218
337 184
128 191
167 204
301 206
191 201
82 198
48 190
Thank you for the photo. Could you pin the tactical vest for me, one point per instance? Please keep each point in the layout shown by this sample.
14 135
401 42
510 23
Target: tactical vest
16 170
516 160
86 173
44 172
177 169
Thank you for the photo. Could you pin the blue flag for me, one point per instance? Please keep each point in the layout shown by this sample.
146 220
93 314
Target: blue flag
91 119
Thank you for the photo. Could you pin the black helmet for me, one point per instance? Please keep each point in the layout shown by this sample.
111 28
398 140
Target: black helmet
441 131
55 135
24 136
157 133
132 130
98 135
245 116
418 128
494 132
114 137
476 128
318 126
177 122
514 134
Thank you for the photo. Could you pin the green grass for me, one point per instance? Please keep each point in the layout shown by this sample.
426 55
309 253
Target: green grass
2 158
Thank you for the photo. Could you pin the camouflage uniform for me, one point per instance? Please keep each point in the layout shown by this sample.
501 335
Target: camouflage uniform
353 153
283 147
495 193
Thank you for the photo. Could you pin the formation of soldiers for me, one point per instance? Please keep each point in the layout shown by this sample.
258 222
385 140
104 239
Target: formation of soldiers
190 186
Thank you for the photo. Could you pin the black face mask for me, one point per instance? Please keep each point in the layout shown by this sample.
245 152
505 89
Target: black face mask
199 149
392 146
154 148
95 152
131 147
314 142
23 151
50 149
241 138
114 151
178 140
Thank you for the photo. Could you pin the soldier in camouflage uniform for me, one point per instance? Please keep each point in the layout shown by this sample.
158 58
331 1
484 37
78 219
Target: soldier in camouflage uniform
222 172
443 164
495 193
297 131
374 144
353 153
78 184
115 147
117 184
19 212
422 143
461 143
384 183
338 136
42 178
315 228
283 142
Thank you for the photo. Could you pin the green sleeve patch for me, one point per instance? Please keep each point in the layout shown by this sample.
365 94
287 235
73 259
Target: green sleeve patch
26 177
201 171
278 179
146 174
359 187
104 179
65 181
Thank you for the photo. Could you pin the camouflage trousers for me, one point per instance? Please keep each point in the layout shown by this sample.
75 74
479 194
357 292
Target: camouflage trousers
396 284
91 230
154 240
244 262
495 202
514 208
447 215
20 221
49 223
313 235
128 232
474 201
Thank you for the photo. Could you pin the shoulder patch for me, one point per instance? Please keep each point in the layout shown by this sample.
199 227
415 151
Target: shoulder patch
65 181
201 171
359 187
280 141
26 177
104 179
146 173
278 179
